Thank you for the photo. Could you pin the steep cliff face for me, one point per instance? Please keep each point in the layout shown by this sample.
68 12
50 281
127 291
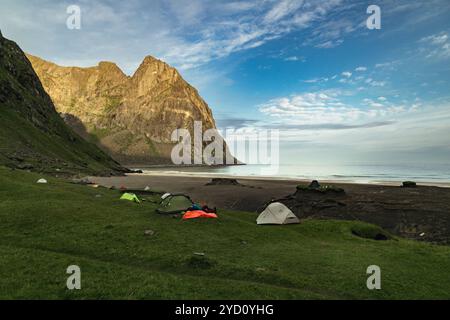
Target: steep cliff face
32 134
131 118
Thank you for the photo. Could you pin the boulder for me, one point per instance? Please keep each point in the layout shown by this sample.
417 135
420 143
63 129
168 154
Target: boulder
149 232
223 182
83 181
314 185
409 184
25 166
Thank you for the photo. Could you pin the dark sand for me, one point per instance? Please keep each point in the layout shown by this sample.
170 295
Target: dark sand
421 213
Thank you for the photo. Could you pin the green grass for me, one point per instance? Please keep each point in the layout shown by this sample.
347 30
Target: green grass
46 228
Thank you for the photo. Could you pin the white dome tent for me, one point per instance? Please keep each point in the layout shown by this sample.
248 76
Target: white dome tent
277 213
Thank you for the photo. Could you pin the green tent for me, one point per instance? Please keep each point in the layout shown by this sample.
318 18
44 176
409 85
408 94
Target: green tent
174 203
130 197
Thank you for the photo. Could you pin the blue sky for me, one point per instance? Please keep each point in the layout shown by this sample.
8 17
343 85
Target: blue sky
310 68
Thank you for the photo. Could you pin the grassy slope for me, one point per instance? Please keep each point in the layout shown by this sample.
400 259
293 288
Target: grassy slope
45 228
31 128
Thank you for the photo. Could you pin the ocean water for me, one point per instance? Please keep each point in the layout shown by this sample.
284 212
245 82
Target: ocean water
358 173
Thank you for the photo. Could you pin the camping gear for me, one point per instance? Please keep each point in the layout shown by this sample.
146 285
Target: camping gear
209 210
174 203
165 195
195 207
277 213
130 197
198 214
42 181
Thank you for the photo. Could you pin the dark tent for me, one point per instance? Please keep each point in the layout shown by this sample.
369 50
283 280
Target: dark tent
174 203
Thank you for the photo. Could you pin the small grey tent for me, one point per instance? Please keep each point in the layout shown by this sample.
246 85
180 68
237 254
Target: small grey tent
277 213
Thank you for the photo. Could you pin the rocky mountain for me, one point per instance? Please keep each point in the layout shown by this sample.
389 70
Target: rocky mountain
131 118
32 134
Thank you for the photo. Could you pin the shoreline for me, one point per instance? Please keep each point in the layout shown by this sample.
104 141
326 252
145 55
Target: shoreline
169 173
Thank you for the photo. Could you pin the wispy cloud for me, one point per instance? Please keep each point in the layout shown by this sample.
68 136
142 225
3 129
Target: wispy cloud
329 107
294 58
185 33
436 45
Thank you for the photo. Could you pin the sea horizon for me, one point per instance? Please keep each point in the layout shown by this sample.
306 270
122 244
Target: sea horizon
390 174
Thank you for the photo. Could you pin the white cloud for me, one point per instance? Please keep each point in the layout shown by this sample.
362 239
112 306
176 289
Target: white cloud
378 83
347 74
185 33
316 80
323 107
436 46
436 39
282 9
294 58
374 83
329 44
361 69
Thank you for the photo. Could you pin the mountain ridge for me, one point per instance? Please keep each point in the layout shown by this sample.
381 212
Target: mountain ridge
129 117
32 134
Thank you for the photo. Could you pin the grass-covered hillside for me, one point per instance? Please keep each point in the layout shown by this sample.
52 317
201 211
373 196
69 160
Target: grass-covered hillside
45 228
32 134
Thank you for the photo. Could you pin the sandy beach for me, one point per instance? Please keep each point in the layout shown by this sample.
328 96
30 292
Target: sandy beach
421 213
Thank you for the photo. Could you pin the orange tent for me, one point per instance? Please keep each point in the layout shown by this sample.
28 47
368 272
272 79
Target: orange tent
198 214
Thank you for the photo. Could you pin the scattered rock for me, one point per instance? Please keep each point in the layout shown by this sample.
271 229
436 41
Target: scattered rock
409 184
223 182
42 181
25 166
202 254
314 185
149 233
317 188
98 195
81 181
147 188
17 158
